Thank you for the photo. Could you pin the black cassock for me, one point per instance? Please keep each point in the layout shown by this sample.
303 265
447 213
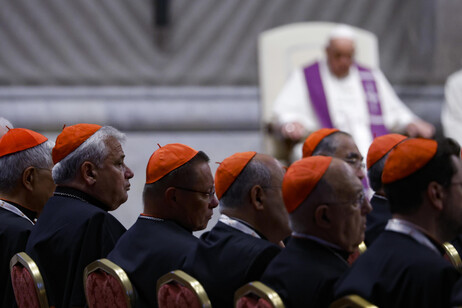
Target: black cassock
397 271
150 249
72 231
14 231
304 273
225 259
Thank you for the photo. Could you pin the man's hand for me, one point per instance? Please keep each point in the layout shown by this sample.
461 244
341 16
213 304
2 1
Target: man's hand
420 128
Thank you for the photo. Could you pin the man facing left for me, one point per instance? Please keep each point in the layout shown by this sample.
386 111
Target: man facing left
75 227
25 186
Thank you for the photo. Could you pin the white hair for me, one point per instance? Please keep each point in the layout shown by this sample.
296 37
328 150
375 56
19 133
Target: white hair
13 165
94 149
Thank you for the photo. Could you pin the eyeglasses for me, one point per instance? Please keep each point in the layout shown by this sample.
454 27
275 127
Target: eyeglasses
210 194
358 202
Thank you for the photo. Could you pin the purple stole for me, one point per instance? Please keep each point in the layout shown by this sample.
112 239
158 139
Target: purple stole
319 100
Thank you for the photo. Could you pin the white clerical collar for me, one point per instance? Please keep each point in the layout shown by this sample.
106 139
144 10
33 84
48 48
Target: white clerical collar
238 225
9 207
150 217
380 197
412 230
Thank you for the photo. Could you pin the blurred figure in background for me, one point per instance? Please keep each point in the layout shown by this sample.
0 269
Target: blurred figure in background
337 92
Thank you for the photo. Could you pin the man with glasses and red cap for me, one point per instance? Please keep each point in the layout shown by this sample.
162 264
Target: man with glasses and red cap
335 143
405 267
179 198
75 227
327 213
250 230
25 186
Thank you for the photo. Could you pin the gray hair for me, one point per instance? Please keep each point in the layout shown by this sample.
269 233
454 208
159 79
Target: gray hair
255 173
374 174
13 165
94 149
328 146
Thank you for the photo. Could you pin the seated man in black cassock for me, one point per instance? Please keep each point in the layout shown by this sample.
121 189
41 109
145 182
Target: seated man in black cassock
179 197
25 186
376 155
253 221
75 227
404 267
327 211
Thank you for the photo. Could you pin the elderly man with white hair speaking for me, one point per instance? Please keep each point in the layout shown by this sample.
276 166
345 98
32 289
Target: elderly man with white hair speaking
337 92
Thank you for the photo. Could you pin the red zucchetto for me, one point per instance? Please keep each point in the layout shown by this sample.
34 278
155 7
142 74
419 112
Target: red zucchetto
71 138
314 139
381 146
229 170
408 157
301 178
19 139
166 159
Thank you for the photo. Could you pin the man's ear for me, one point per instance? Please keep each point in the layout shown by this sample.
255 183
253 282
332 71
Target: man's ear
436 195
170 196
28 178
257 196
322 216
89 172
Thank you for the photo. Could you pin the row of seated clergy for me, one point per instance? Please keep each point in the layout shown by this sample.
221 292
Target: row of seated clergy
242 243
234 252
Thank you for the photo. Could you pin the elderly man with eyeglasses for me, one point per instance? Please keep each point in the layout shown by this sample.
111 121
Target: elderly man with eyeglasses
327 212
179 197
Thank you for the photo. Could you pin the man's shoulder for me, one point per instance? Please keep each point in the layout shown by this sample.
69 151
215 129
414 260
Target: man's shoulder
12 223
401 251
230 238
309 257
72 209
157 233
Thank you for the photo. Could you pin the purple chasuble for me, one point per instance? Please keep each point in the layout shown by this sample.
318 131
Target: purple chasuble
319 100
